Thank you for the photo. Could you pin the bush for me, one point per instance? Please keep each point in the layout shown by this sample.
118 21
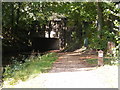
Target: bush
34 65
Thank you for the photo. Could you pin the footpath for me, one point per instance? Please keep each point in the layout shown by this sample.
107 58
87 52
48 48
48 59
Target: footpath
72 71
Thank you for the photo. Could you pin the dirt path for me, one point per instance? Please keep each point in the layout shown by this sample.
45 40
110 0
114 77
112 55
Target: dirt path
71 71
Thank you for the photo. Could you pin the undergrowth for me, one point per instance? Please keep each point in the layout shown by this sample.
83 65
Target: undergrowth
107 61
31 66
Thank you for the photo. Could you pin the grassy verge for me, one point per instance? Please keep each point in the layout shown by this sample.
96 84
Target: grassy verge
107 61
31 66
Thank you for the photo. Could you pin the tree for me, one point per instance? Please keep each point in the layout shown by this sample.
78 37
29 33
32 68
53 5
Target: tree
83 20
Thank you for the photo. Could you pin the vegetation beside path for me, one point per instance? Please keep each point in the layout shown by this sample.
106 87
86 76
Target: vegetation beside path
76 66
31 67
73 67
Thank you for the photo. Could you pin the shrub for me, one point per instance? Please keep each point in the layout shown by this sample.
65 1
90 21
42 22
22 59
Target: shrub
35 65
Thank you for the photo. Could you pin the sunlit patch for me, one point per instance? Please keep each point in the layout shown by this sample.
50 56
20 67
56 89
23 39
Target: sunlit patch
73 54
62 57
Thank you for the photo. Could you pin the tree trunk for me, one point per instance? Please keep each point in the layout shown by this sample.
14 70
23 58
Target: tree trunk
12 16
79 34
18 15
100 19
43 30
49 29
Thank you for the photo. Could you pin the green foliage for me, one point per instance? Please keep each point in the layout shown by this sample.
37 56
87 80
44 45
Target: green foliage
101 43
72 46
116 51
107 33
34 65
18 21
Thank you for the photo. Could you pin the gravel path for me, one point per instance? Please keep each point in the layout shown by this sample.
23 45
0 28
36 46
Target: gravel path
70 71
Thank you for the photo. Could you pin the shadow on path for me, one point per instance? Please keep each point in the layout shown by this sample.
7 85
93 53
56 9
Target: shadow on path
72 62
72 71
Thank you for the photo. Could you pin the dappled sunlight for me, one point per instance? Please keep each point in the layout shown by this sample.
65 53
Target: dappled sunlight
81 49
81 79
72 72
74 54
72 62
64 69
64 44
62 57
89 57
95 78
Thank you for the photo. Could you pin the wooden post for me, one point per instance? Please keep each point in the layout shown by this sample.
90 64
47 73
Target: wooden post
100 58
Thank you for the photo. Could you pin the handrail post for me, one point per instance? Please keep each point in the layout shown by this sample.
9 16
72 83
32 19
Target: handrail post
100 58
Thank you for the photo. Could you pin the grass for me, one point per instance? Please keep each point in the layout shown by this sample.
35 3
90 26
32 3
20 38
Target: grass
107 61
31 66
